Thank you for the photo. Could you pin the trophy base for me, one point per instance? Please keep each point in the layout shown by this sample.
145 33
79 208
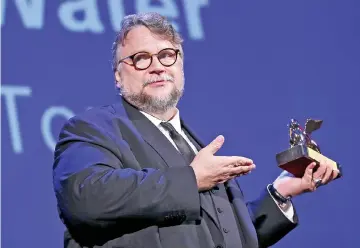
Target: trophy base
297 158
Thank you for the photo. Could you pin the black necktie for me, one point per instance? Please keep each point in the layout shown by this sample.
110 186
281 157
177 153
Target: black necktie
180 142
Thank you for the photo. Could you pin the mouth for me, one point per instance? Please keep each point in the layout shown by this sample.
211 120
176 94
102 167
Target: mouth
158 83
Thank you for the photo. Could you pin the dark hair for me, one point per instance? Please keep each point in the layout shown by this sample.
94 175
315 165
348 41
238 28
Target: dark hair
155 22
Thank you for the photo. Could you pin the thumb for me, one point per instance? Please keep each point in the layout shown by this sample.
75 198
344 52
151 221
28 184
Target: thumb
215 145
310 169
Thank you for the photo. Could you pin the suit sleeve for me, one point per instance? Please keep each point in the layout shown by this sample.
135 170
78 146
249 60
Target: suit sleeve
95 189
270 223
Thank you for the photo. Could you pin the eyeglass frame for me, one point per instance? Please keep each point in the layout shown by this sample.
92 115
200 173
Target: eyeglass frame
177 52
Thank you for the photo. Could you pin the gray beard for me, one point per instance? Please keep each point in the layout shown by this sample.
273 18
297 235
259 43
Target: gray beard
150 104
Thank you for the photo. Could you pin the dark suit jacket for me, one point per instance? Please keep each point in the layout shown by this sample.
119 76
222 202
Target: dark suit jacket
120 183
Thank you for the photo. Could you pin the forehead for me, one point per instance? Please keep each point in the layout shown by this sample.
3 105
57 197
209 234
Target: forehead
141 39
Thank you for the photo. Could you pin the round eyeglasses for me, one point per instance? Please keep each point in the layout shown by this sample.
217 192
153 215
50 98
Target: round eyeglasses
142 60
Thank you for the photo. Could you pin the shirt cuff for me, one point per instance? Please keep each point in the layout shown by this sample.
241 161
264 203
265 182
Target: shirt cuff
287 209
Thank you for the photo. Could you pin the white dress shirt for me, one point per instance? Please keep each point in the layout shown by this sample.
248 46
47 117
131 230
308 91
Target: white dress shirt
175 121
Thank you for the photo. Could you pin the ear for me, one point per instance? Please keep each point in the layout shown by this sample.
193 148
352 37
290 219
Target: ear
117 78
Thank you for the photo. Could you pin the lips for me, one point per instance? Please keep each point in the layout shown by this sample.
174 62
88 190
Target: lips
160 82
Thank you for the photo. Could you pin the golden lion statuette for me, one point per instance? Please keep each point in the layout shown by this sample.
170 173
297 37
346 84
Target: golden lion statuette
303 150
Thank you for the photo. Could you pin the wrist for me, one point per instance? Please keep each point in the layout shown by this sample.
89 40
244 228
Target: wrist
278 196
282 188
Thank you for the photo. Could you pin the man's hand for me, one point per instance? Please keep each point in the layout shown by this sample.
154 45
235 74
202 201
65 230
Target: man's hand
288 185
211 170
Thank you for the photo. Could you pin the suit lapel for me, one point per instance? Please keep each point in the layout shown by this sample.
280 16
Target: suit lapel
153 136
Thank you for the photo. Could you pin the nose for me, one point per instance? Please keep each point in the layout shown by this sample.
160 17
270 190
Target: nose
156 67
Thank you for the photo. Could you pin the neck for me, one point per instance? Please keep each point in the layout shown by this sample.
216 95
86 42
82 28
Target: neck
165 116
162 113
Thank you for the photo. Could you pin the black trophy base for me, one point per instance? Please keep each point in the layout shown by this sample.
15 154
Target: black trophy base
297 158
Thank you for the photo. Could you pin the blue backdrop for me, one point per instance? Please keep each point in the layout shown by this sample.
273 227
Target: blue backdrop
250 66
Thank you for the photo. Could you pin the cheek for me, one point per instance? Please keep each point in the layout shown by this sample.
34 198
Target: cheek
176 71
179 76
133 80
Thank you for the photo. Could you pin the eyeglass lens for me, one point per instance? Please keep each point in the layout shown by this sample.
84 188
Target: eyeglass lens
166 57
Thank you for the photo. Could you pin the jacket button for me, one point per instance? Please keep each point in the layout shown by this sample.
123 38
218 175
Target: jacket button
214 190
219 246
225 230
219 210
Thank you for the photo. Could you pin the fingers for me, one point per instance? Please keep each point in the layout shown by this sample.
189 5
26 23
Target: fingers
215 145
232 172
320 172
335 174
325 172
323 175
235 161
308 182
241 170
327 176
235 166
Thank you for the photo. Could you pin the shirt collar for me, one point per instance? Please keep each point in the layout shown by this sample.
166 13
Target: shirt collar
175 121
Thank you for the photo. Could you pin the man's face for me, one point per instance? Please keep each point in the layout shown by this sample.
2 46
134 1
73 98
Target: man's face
157 88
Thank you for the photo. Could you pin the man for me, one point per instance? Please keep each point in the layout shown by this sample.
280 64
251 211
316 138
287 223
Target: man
132 174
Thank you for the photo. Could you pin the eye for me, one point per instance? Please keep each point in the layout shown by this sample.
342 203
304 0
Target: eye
167 54
141 57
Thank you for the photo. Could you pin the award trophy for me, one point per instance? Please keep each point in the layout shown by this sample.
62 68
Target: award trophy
303 150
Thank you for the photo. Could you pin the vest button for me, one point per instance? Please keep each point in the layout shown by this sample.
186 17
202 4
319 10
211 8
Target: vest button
219 246
225 230
219 210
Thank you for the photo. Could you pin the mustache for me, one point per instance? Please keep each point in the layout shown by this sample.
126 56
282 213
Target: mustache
154 79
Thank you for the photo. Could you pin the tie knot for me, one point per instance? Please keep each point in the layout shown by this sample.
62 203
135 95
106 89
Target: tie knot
180 142
169 127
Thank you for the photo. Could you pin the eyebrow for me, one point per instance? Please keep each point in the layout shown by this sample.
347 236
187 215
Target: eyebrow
165 47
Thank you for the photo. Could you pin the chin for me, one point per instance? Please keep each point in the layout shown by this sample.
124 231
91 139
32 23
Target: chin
160 97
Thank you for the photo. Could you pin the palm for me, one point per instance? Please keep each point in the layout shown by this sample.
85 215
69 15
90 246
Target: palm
293 185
